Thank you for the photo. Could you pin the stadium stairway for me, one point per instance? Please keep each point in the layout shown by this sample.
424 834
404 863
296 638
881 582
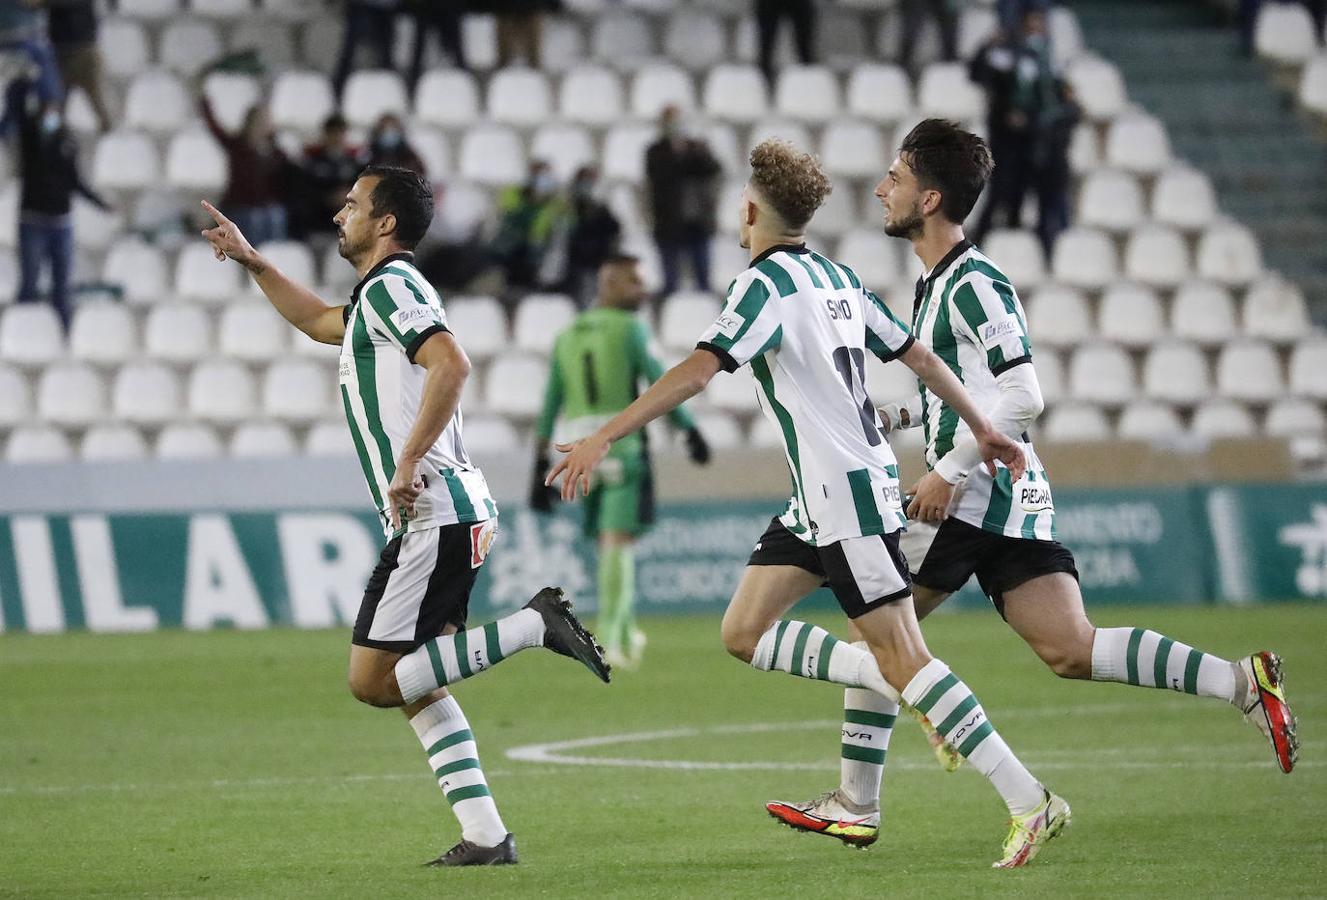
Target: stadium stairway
1224 114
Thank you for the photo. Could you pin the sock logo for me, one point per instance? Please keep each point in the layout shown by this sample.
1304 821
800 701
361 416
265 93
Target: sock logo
479 660
858 735
956 736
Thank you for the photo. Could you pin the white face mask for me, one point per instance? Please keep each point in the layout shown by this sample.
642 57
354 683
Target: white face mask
50 122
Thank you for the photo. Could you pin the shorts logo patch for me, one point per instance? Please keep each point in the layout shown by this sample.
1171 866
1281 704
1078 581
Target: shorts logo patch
729 324
410 314
992 332
482 535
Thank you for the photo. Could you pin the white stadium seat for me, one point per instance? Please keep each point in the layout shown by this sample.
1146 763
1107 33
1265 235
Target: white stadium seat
178 333
298 390
1098 86
1203 312
1313 85
329 438
733 392
788 130
71 394
293 258
683 317
591 95
112 443
125 161
1137 142
301 100
1249 371
253 331
485 435
15 397
1274 309
1284 33
448 98
1308 369
188 441
1102 373
262 440
1084 258
1157 255
152 10
157 102
272 42
879 93
124 47
807 93
1131 315
853 150
1183 197
623 158
946 92
1292 418
221 391
1218 419
103 333
1076 422
976 25
837 214
623 40
1050 375
146 394
736 94
434 151
464 210
187 45
371 94
199 276
31 335
232 96
563 44
1229 254
540 318
519 97
696 40
659 85
1149 422
38 444
1019 255
508 385
222 9
1058 316
1176 373
196 163
565 148
1084 149
872 255
479 323
1111 200
492 155
721 431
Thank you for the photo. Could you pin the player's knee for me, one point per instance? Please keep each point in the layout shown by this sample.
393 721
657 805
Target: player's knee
1068 663
371 691
738 641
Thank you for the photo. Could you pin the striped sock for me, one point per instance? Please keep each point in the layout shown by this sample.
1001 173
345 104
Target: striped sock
957 715
1148 659
868 721
810 651
452 754
449 658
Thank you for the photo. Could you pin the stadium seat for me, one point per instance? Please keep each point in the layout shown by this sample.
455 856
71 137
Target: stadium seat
1110 200
1073 422
195 162
853 150
124 47
1084 149
622 40
1313 85
836 216
298 391
1084 258
302 100
222 9
736 94
591 95
262 440
1284 33
125 161
1149 422
733 392
112 443
659 85
157 102
1102 373
232 96
492 155
807 94
71 394
199 276
448 98
1050 375
519 97
186 46
564 147
683 317
370 94
479 323
872 255
272 42
464 210
563 44
1183 197
151 10
1294 418
1019 256
15 397
188 441
31 335
1131 315
539 320
38 444
1223 419
329 438
489 435
510 386
1065 34
1203 312
221 391
479 36
178 333
695 40
722 141
253 331
946 92
721 430
434 150
1137 143
145 394
623 158
290 10
1229 254
1176 373
1249 371
976 25
1274 309
1058 316
94 228
1099 88
789 130
1308 369
1157 255
103 333
879 93
293 258
9 199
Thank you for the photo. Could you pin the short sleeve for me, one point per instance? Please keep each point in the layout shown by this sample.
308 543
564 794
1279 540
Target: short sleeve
987 313
402 313
886 336
749 324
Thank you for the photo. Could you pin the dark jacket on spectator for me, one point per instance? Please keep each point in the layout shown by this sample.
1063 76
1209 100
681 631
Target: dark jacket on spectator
71 22
48 160
256 174
682 174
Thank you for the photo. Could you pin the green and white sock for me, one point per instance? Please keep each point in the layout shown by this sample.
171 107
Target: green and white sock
1148 659
868 722
449 658
957 715
454 758
810 651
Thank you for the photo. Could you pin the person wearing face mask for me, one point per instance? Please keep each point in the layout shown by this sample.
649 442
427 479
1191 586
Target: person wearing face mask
592 236
255 191
682 175
529 215
389 147
48 169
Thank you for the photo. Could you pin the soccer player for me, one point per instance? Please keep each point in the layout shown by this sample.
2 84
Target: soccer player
598 364
401 377
1001 529
805 323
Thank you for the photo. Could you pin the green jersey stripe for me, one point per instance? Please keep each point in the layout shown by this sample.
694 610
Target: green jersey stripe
810 272
783 282
830 270
1002 499
1029 529
451 740
452 768
469 792
465 510
360 450
749 307
862 754
765 379
367 378
381 302
938 690
945 347
863 498
866 717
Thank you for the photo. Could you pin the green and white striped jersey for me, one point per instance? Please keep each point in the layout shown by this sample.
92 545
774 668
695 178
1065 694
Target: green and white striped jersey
392 311
968 313
805 323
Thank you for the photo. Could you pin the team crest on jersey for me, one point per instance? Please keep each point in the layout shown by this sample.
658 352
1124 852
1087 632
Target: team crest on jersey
729 323
404 317
482 535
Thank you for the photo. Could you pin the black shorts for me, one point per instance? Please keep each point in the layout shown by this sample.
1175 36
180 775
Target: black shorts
421 585
863 572
958 550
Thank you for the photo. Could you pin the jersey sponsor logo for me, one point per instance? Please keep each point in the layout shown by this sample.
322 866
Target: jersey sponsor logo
347 367
892 494
1035 498
1000 328
403 318
729 324
482 535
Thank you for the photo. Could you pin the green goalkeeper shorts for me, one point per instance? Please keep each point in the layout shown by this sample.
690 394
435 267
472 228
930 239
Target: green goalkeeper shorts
621 498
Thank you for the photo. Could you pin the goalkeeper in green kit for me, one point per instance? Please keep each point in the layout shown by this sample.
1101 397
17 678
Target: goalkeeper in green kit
598 364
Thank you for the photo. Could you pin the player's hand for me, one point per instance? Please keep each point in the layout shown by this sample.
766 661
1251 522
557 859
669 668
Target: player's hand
406 486
996 446
579 463
228 241
541 495
697 448
930 498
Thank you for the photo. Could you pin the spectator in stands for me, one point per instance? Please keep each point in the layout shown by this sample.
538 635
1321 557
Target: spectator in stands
592 235
72 25
388 145
520 28
529 214
945 13
255 194
23 29
1010 13
371 23
48 169
442 18
330 167
682 175
801 14
1051 174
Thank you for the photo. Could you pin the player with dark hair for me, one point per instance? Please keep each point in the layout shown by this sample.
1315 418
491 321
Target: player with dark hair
401 376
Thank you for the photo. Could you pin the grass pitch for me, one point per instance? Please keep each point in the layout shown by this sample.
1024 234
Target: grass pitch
236 764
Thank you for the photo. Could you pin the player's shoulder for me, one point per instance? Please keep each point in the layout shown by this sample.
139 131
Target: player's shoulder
976 268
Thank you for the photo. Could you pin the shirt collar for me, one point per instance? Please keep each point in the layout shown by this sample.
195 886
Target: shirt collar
779 248
403 256
924 282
